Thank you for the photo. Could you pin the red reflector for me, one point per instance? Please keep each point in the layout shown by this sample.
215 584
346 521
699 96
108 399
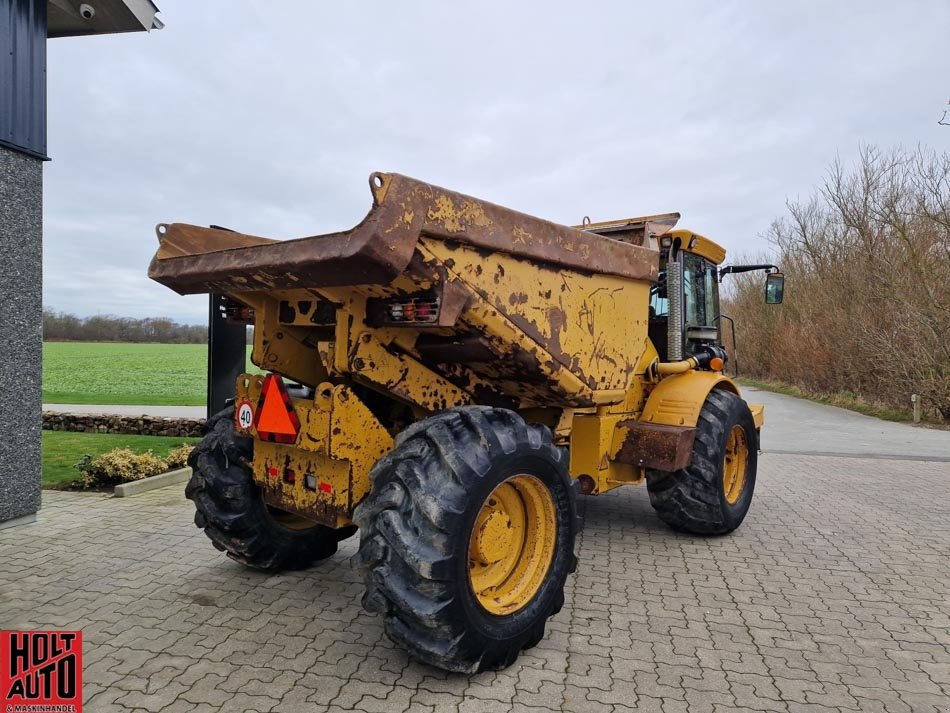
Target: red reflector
325 487
275 418
273 472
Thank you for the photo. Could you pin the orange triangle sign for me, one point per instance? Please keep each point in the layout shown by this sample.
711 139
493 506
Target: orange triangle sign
276 419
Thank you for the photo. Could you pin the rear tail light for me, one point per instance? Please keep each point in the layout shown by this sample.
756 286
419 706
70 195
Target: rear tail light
235 312
412 310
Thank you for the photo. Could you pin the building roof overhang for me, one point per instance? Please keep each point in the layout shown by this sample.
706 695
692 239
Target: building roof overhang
70 18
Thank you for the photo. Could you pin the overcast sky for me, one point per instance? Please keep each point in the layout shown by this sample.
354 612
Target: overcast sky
267 117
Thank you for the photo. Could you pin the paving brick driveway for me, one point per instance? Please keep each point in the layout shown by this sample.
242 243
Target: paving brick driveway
834 595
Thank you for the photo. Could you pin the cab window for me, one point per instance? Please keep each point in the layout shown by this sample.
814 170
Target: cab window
701 290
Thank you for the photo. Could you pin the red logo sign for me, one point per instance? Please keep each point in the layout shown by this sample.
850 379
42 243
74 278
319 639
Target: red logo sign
40 671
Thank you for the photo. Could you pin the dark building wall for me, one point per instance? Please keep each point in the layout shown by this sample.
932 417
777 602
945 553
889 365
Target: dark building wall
23 75
21 275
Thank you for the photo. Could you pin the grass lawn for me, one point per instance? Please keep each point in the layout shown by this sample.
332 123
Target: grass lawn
61 449
118 373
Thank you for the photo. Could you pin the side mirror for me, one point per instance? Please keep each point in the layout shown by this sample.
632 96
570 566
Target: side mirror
774 288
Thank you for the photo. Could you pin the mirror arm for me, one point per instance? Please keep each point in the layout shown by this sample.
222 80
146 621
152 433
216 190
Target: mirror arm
735 269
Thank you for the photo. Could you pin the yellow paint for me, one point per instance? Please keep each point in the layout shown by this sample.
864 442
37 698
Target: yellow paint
557 385
734 466
592 326
512 545
565 348
636 395
327 352
455 218
758 414
353 308
520 235
677 400
283 349
339 441
403 377
668 368
700 245
595 440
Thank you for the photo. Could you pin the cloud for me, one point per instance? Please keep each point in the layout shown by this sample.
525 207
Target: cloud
268 117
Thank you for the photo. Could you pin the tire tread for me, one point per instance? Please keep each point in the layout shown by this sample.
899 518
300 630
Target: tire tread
229 511
689 499
407 542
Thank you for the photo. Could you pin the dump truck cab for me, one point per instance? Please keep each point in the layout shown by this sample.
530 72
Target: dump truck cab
446 377
698 258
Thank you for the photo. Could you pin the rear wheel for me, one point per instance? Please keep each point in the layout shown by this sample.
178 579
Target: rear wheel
233 514
467 537
712 495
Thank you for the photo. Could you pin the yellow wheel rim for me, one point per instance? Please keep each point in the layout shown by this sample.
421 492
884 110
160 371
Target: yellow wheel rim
734 465
511 547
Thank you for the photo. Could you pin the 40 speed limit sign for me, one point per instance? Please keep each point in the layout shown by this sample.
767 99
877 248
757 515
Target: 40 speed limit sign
244 415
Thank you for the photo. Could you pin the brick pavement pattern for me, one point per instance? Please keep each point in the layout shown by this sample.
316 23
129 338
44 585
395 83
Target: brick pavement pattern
834 595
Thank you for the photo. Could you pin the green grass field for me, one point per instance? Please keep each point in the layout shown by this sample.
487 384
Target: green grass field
116 373
62 449
113 373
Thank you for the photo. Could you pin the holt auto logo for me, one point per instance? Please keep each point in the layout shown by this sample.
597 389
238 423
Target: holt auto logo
40 671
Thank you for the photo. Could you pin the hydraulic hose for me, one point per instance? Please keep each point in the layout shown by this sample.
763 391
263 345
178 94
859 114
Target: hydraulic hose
710 356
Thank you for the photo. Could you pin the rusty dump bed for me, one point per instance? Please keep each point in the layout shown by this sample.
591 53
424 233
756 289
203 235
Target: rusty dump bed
194 260
529 312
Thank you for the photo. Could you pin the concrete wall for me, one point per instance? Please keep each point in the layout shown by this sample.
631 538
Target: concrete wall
21 339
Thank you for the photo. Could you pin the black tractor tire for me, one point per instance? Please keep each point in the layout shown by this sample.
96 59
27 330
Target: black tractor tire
694 499
232 513
415 529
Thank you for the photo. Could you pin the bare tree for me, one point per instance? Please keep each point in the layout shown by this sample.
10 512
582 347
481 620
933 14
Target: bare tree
59 326
867 303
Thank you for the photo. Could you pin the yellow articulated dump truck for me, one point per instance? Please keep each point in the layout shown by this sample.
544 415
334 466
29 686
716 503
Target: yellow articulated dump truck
446 378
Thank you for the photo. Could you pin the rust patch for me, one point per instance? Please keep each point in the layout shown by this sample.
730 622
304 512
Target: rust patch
380 247
323 513
656 447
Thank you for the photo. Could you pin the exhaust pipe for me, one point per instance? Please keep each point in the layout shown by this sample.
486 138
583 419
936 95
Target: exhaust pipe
674 324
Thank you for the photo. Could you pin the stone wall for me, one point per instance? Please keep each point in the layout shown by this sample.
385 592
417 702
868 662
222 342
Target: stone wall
21 327
139 425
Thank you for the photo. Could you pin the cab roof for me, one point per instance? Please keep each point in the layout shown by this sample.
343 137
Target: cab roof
699 245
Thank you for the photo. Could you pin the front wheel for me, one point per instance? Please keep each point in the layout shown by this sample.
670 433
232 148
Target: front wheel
712 495
467 537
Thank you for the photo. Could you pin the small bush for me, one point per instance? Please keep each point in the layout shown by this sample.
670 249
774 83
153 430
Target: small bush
178 457
121 465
